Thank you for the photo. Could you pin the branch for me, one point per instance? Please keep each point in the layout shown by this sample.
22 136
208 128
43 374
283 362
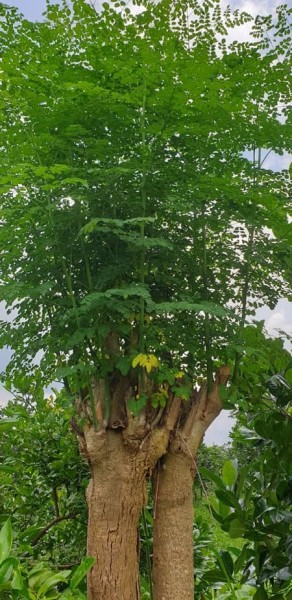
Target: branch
67 386
56 501
207 328
49 525
69 566
76 428
171 413
206 407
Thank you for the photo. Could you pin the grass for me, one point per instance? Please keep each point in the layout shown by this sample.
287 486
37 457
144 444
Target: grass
221 538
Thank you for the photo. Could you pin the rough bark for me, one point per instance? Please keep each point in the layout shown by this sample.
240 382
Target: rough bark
173 570
121 454
115 496
173 565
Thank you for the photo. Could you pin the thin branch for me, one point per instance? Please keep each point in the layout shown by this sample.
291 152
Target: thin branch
248 265
148 558
45 529
142 226
278 411
56 501
207 329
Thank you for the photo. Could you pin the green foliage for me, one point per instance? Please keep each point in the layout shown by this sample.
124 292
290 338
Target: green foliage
127 205
18 582
43 478
40 462
253 503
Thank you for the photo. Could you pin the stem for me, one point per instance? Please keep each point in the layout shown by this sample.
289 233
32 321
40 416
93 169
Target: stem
142 226
49 525
248 264
148 559
56 501
207 328
68 278
85 260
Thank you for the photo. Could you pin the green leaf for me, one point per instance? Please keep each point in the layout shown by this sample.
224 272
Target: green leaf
7 469
237 528
224 510
229 472
52 581
288 376
124 364
17 581
215 576
6 569
242 558
38 575
207 474
81 571
204 307
225 562
261 594
5 540
7 424
135 405
228 498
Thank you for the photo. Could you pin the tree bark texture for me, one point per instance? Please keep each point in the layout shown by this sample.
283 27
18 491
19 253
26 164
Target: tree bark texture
121 455
173 569
115 496
173 564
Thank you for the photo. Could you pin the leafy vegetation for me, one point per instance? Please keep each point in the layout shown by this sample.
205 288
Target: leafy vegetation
140 231
19 582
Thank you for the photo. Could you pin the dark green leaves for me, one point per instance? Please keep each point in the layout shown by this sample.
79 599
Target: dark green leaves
5 540
204 307
81 572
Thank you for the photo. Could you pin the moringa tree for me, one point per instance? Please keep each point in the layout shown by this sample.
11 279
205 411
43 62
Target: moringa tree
137 238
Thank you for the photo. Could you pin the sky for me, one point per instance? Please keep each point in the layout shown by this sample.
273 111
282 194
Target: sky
281 317
33 9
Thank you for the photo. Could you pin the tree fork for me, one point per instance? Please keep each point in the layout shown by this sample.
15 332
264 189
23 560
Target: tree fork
121 459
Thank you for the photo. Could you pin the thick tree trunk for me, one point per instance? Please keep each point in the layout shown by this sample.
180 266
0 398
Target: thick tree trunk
173 565
173 569
115 496
121 454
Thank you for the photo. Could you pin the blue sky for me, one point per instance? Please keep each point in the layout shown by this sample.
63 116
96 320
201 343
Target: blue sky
32 9
281 317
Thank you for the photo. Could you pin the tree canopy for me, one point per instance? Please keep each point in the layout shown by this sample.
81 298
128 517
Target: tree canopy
130 204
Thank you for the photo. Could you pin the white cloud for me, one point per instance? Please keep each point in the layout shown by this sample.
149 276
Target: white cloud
275 162
277 320
252 7
218 432
5 396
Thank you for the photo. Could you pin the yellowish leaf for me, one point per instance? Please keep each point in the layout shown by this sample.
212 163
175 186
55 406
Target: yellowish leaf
179 374
149 361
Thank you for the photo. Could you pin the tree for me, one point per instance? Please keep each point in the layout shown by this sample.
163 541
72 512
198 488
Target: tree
137 240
